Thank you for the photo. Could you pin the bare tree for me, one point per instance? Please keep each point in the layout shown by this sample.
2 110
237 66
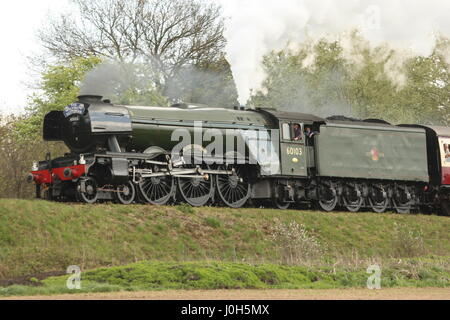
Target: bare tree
168 34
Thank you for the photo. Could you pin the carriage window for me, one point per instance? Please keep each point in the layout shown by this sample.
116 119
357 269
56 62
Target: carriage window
286 128
445 151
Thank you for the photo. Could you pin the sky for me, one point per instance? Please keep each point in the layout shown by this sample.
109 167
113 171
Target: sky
19 22
259 25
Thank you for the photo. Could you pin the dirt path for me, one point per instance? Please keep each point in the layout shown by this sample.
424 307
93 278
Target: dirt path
347 294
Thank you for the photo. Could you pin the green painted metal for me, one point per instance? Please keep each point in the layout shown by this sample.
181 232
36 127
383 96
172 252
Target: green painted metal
372 152
294 158
155 125
293 154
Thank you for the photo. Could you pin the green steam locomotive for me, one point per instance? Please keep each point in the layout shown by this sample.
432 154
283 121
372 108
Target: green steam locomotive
202 155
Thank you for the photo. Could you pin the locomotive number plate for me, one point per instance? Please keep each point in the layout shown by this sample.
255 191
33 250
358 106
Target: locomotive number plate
294 151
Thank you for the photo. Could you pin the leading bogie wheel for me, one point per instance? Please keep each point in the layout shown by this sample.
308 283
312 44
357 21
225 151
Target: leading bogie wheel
87 190
126 194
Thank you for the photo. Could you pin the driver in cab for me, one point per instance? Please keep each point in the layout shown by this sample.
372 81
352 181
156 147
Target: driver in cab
297 132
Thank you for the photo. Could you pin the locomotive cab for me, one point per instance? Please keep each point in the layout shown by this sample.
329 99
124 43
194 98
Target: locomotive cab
296 148
293 149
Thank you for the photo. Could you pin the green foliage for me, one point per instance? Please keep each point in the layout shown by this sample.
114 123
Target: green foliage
225 275
360 80
311 80
21 139
59 86
428 86
185 208
213 222
39 236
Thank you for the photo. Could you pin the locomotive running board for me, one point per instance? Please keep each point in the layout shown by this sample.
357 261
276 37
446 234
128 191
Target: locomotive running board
187 173
176 173
136 156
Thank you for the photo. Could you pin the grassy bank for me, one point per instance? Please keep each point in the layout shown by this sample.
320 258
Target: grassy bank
147 276
38 237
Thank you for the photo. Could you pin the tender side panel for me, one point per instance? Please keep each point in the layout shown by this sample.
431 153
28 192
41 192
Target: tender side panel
372 153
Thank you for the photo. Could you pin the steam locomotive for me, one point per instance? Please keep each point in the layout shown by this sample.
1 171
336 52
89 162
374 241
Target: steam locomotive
237 157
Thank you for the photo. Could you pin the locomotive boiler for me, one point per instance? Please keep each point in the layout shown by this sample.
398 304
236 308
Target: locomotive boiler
202 155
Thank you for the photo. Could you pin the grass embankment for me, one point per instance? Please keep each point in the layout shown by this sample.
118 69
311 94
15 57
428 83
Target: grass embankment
38 237
147 276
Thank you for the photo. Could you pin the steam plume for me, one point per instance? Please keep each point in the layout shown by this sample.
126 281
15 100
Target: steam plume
257 27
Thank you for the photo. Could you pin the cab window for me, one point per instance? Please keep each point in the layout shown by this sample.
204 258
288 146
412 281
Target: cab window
286 131
292 132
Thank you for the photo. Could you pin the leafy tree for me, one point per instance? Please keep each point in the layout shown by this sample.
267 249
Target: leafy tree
371 92
323 80
58 87
294 84
416 91
428 91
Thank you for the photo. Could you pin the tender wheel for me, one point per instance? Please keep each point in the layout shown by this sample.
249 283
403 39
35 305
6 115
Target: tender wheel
157 190
353 197
126 194
196 191
378 199
87 190
280 204
402 200
328 197
232 189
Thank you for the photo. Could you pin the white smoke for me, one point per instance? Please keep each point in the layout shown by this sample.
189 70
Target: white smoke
254 28
112 79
